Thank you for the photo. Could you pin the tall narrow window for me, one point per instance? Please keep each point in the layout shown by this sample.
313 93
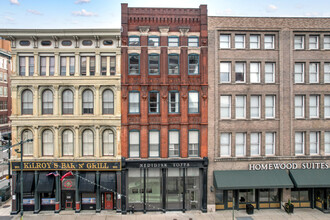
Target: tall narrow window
269 42
108 143
326 72
134 64
174 144
255 106
240 72
193 99
22 66
327 142
269 72
270 143
313 73
112 65
153 102
314 142
240 106
72 66
47 143
224 41
47 102
299 42
134 102
193 64
67 143
327 106
27 146
154 143
88 143
92 66
239 41
153 64
193 148
225 106
299 143
255 72
134 144
43 67
173 64
88 102
313 42
31 66
192 41
299 72
83 64
174 102
299 103
255 144
326 44
63 66
240 147
51 66
103 66
254 41
225 144
314 106
27 102
107 102
67 102
270 106
225 72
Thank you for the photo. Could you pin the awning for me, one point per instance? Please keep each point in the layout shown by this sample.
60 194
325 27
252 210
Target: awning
310 178
45 183
108 182
28 182
87 182
251 179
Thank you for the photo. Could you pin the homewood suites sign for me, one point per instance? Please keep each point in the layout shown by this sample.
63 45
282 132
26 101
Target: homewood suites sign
288 166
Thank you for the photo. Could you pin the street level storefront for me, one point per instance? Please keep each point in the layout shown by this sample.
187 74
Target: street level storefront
87 186
164 185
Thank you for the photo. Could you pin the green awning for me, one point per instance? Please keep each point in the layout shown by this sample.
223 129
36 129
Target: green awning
310 178
251 179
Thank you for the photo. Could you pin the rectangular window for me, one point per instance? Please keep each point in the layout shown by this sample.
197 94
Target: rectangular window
269 72
224 41
313 106
313 42
299 106
22 65
108 65
225 72
67 63
326 44
134 144
192 41
51 66
112 65
103 66
153 102
43 66
313 73
327 142
314 142
174 144
327 106
31 66
134 102
326 72
240 106
5 77
225 144
299 42
173 41
153 41
193 64
299 72
255 106
269 42
5 91
83 61
154 143
270 143
255 144
255 72
133 41
72 66
299 143
134 64
174 102
153 64
63 66
240 147
240 72
239 41
270 106
92 66
254 41
173 64
193 150
225 106
193 105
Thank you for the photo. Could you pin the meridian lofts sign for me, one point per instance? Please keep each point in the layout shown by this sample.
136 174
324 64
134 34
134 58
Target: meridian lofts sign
289 166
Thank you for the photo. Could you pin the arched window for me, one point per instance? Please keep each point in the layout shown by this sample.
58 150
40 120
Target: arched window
27 103
108 143
47 143
67 102
47 102
107 102
27 146
88 102
67 143
88 143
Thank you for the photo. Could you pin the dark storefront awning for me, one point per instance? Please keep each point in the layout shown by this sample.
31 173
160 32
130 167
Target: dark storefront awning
108 182
310 178
246 179
45 183
87 182
28 182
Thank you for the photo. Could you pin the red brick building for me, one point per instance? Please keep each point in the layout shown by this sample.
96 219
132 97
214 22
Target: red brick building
164 108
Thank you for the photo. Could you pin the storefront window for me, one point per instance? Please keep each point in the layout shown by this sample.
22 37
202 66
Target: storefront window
268 195
295 195
304 195
154 189
174 188
192 188
135 189
230 195
219 197
300 195
246 195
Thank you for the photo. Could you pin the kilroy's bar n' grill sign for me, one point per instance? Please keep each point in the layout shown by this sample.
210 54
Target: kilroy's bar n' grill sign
66 165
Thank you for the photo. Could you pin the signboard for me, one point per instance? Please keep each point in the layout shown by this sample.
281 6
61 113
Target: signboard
48 201
67 165
289 166
28 201
166 163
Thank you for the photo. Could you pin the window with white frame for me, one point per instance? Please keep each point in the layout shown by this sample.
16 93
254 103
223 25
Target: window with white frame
153 41
299 106
107 102
326 72
313 42
193 41
108 143
225 106
269 42
269 72
270 106
134 144
314 106
225 144
314 142
225 72
240 147
27 102
88 143
133 41
154 143
88 102
47 143
255 106
47 65
193 145
254 41
240 72
67 143
153 102
299 72
224 41
67 102
255 72
173 41
174 144
239 41
270 143
174 102
27 146
326 44
299 42
327 142
299 143
47 102
5 91
240 106
67 65
108 65
327 106
313 73
255 143
5 77
193 102
22 66
134 102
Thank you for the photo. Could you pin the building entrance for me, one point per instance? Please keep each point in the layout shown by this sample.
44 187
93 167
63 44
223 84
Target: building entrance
108 200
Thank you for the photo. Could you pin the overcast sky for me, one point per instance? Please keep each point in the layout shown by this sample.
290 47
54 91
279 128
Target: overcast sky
106 13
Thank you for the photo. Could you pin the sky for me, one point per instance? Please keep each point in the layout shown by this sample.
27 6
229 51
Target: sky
40 14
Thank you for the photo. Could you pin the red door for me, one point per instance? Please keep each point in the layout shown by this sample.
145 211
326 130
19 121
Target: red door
108 200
